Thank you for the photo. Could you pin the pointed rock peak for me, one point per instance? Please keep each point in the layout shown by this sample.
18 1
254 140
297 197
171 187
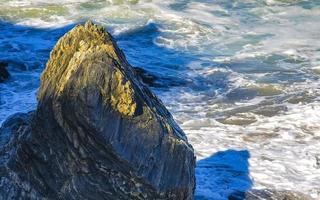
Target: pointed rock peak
73 50
97 128
89 24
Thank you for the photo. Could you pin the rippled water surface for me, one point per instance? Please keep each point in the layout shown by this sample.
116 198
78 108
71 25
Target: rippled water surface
241 77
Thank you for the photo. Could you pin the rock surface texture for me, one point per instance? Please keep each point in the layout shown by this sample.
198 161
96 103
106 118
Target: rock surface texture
97 133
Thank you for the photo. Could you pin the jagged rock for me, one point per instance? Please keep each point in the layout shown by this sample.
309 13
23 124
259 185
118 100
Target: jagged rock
4 74
158 81
147 78
97 133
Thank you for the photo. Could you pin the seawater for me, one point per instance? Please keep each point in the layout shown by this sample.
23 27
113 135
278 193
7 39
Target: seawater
241 77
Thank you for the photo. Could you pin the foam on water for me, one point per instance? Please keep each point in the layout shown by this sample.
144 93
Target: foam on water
283 148
241 77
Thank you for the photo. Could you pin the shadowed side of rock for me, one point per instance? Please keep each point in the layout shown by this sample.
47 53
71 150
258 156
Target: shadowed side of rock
98 132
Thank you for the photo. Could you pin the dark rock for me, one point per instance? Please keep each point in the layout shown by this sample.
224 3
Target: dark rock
159 81
241 94
97 133
4 74
147 78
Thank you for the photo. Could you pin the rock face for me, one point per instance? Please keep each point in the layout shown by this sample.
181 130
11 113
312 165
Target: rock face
97 133
4 74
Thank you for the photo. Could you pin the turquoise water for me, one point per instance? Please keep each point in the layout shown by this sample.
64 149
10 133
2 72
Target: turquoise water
241 77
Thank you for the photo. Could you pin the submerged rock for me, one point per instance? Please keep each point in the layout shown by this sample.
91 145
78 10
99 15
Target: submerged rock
4 74
269 195
158 81
97 133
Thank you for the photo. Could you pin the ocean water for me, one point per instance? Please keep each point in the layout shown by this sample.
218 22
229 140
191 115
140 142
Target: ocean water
241 77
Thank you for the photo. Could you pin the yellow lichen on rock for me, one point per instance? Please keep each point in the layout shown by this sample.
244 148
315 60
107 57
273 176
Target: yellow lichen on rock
122 98
80 39
72 67
69 53
93 105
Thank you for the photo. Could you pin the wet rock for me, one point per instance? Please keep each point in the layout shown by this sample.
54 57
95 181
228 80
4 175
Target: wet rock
269 195
240 119
97 133
4 74
158 81
147 78
270 111
241 94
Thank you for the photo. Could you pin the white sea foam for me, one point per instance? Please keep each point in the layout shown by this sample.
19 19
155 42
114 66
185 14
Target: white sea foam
283 148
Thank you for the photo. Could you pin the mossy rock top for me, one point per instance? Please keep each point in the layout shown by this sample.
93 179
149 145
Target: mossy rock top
71 50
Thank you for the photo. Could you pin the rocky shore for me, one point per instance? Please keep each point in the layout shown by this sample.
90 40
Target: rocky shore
98 132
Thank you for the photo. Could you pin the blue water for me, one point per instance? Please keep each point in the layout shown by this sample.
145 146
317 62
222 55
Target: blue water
241 77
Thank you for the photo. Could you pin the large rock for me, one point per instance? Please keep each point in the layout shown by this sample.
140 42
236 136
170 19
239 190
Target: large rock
4 74
97 133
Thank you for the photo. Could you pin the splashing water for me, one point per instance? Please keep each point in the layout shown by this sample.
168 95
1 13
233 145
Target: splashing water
241 77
